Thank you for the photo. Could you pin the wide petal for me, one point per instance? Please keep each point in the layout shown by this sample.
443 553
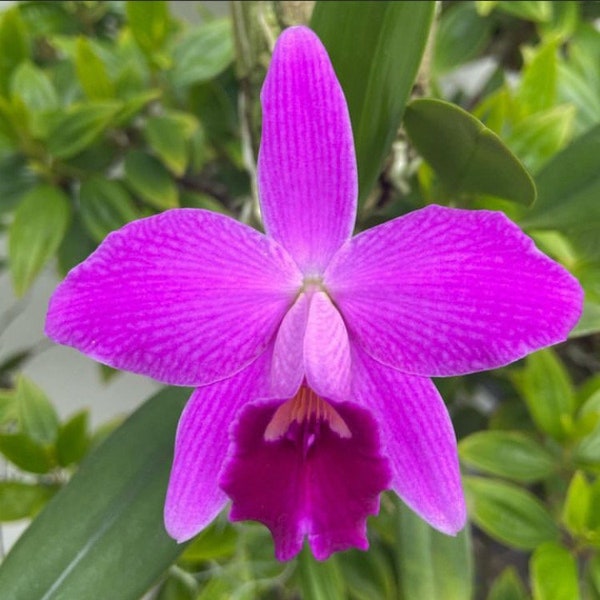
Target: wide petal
323 489
416 437
306 166
194 497
186 297
326 350
445 291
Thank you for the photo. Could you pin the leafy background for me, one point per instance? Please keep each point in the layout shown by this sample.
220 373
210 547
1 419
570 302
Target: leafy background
110 111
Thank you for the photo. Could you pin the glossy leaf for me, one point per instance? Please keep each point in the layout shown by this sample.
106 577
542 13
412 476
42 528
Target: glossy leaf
108 518
39 225
33 87
73 439
568 188
148 177
554 573
547 390
37 417
531 10
577 504
79 126
507 454
105 205
19 500
537 89
431 564
203 53
92 73
537 138
377 82
320 580
149 23
26 454
467 156
168 135
16 180
508 513
14 42
508 586
461 35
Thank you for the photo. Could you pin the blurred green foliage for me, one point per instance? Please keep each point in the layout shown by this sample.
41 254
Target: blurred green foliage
111 111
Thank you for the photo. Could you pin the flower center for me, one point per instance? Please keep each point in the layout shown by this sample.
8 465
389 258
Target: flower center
308 410
313 283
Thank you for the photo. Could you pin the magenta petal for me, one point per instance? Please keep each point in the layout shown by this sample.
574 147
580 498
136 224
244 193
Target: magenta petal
326 350
324 492
417 438
444 291
194 497
186 297
306 165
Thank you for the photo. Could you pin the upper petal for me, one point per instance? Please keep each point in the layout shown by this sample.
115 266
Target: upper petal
445 291
306 166
186 297
194 497
417 438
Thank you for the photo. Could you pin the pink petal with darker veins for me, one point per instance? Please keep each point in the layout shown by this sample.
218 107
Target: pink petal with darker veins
194 497
306 166
444 291
310 483
187 297
416 437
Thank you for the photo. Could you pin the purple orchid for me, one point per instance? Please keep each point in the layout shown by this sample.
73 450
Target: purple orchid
311 350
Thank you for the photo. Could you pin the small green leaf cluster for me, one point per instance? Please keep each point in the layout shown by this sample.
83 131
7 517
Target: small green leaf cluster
40 448
533 480
104 118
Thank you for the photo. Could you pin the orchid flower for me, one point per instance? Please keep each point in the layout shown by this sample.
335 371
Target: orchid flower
311 350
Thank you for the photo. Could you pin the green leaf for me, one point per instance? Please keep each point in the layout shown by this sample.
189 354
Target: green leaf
16 179
31 85
554 573
76 247
20 500
202 53
92 73
105 205
320 580
507 454
461 35
217 541
79 126
577 504
73 439
539 11
537 90
40 223
547 390
37 416
14 43
179 585
149 23
508 586
568 188
148 177
168 135
472 158
431 564
25 453
376 49
537 138
108 518
369 575
8 407
509 514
